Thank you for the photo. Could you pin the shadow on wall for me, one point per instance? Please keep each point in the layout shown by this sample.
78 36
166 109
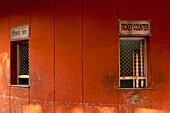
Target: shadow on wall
4 71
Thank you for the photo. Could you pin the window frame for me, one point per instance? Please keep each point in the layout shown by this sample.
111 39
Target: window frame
17 64
145 63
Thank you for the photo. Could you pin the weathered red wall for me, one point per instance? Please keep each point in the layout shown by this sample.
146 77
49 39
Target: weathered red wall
100 56
160 52
68 56
19 14
4 56
74 57
42 55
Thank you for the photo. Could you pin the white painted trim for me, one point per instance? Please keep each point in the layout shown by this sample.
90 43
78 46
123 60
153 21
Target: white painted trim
131 77
23 76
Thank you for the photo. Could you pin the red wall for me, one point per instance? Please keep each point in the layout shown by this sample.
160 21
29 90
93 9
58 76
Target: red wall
4 56
74 57
19 14
160 52
68 56
42 55
100 55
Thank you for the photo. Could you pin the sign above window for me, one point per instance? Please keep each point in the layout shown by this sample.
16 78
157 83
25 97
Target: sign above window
19 32
134 27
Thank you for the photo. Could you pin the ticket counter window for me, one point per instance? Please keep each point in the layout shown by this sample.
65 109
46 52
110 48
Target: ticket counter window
132 63
20 62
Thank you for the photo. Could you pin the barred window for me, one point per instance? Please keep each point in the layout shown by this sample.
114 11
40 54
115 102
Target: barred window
23 61
20 62
132 63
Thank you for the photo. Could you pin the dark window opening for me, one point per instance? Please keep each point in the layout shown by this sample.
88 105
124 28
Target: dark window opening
20 62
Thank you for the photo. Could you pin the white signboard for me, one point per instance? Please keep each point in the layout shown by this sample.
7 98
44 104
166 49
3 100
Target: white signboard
19 32
137 27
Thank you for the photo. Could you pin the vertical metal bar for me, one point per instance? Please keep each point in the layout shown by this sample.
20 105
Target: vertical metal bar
145 63
133 69
141 58
141 63
28 63
137 69
119 63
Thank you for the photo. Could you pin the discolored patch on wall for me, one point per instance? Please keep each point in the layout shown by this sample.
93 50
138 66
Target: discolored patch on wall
100 109
110 81
35 78
135 98
158 79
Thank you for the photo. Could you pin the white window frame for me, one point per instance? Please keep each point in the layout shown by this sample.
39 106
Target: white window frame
145 62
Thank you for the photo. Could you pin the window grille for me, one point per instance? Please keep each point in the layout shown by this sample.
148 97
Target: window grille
23 59
23 62
132 60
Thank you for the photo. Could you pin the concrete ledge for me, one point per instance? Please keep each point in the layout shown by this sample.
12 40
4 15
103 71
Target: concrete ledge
25 86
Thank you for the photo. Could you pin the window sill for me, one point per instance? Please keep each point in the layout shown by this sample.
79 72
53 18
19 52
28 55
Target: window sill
136 88
24 86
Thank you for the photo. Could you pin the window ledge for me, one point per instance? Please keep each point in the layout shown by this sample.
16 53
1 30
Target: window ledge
26 86
136 88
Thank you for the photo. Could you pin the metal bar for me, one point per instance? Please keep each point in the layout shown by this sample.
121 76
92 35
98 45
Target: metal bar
141 63
137 69
133 68
141 58
131 77
145 62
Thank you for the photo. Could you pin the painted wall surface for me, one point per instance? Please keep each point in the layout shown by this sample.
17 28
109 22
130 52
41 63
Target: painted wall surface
100 56
74 57
42 45
4 56
68 56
